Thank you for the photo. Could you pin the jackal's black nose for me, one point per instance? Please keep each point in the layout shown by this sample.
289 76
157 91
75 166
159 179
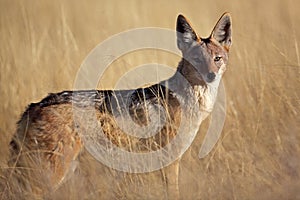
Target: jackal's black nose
211 76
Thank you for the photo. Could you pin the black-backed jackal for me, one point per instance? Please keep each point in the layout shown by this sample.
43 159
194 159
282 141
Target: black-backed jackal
48 138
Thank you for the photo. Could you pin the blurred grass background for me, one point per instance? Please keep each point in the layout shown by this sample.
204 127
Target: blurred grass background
43 44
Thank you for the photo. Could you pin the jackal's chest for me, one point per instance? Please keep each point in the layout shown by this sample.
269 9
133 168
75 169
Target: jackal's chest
206 97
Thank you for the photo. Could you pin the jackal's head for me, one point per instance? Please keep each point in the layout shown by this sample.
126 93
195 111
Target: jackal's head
204 59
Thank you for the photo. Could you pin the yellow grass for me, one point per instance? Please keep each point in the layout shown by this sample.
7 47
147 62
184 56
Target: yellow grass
257 157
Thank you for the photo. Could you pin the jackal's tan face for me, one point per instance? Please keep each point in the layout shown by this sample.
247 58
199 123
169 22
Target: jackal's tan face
208 56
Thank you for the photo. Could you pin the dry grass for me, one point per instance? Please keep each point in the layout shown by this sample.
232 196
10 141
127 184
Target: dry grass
44 42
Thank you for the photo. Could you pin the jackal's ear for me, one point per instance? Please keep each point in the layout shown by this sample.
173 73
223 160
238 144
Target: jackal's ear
186 35
222 31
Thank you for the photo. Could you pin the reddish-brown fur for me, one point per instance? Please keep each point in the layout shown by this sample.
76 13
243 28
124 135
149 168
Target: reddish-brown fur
49 136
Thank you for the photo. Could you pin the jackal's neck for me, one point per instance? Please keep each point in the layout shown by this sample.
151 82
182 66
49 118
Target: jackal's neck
207 95
188 80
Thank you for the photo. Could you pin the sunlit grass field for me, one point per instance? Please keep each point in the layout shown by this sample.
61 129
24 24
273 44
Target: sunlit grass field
43 44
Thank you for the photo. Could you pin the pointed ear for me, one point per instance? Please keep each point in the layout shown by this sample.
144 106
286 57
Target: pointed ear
222 31
186 35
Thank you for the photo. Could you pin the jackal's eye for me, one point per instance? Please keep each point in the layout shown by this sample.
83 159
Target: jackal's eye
217 58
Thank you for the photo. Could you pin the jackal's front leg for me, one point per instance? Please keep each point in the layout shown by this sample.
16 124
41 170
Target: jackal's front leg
171 174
